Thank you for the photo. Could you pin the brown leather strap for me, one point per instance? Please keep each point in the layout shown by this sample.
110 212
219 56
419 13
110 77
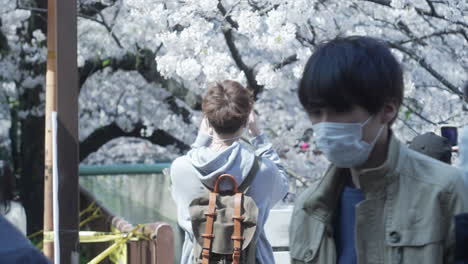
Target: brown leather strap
227 176
208 235
237 234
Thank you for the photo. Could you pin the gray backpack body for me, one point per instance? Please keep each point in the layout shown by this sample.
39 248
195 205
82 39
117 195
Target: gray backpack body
224 223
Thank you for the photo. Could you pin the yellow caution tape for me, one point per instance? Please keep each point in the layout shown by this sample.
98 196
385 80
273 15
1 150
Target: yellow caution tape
92 206
119 256
117 252
119 246
95 237
96 213
35 234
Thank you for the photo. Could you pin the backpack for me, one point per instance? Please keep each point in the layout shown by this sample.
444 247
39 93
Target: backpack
224 223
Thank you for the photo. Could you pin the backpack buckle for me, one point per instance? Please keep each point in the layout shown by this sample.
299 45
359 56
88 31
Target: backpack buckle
238 217
207 235
206 253
240 238
210 214
236 255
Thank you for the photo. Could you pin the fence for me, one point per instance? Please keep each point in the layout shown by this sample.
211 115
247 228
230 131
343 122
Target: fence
130 195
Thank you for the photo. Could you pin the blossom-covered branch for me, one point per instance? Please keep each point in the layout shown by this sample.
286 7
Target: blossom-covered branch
421 61
144 63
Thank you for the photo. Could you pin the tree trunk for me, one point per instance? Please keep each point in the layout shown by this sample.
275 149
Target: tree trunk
32 169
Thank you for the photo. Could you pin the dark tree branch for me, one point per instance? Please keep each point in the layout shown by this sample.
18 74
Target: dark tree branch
431 13
174 107
413 111
262 9
229 19
255 5
89 12
112 131
103 23
405 28
144 63
34 9
86 10
126 63
4 47
408 125
380 2
312 31
235 54
464 35
435 34
304 41
109 29
94 8
287 61
422 62
249 73
435 15
431 6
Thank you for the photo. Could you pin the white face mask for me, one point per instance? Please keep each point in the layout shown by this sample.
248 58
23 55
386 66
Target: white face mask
342 143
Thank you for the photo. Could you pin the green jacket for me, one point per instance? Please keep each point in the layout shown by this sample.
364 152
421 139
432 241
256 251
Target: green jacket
407 215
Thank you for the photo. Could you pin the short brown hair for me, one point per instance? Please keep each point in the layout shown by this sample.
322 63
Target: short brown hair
227 106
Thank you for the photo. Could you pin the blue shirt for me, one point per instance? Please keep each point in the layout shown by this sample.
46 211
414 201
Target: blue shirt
461 236
345 225
16 248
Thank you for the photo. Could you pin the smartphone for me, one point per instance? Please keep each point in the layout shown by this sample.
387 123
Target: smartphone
450 133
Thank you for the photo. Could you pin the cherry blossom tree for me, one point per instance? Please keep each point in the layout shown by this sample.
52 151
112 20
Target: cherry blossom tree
265 44
144 65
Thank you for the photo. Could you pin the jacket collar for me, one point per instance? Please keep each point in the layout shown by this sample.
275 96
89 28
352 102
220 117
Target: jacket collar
322 202
375 179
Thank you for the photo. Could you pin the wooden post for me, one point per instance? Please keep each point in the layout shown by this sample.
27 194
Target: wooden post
62 97
50 107
67 130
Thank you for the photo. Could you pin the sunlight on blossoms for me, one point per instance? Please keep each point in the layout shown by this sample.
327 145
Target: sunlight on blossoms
149 62
188 69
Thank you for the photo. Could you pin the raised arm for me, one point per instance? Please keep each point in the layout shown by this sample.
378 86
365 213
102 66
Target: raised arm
203 137
264 149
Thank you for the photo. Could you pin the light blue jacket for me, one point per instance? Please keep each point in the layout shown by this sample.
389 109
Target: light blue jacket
463 153
201 164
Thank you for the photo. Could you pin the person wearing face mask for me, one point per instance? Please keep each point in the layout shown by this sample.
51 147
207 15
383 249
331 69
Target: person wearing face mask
378 202
228 113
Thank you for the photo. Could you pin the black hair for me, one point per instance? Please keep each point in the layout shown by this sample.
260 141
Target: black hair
350 71
7 186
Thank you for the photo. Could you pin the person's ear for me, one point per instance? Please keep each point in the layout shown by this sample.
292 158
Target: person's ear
389 111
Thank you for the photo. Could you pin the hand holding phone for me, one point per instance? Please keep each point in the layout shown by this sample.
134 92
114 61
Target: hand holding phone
450 133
